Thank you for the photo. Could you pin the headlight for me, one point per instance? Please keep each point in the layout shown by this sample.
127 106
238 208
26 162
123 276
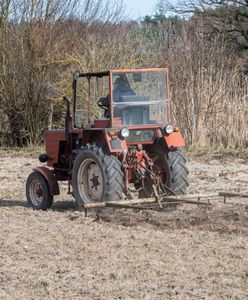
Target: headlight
168 129
124 133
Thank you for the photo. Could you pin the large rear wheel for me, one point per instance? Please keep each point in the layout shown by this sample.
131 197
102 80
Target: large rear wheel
170 166
96 177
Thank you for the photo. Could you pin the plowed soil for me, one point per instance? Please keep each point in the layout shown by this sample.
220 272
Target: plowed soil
186 253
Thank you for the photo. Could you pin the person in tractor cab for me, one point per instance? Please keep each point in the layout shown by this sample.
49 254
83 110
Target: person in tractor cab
121 88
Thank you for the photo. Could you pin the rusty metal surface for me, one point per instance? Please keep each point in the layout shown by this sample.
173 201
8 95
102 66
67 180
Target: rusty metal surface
50 178
52 140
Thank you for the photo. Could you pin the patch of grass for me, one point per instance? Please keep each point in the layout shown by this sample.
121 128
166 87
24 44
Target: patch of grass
30 152
206 153
192 152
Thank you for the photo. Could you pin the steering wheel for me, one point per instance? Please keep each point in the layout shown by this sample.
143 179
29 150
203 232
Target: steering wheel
101 103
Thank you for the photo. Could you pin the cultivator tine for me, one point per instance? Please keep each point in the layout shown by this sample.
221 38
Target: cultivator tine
168 189
157 197
158 183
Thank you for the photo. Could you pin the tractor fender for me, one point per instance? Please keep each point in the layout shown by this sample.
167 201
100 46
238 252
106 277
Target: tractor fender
174 140
50 178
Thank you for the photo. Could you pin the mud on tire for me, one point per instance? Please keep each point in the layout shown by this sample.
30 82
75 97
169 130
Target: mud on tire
96 176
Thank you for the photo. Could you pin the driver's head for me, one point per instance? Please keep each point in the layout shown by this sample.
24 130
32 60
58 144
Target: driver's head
120 81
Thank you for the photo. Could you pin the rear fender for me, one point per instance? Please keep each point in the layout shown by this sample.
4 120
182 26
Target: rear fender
174 140
50 178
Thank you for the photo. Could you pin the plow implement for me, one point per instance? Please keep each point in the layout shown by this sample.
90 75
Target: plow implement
163 201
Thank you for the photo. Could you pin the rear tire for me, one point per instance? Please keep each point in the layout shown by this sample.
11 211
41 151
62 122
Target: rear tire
38 192
173 163
96 177
179 172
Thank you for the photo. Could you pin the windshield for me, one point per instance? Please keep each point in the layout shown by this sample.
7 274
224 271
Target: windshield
140 98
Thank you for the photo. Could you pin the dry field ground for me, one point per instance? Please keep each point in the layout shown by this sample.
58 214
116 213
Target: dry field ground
188 253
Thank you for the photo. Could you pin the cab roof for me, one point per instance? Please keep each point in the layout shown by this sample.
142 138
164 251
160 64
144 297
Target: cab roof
107 73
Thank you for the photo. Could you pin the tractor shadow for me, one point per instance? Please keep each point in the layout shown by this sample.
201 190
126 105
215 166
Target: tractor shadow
13 203
63 205
60 206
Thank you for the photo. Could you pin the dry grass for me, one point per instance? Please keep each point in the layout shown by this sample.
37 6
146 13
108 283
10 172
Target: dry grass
188 253
29 152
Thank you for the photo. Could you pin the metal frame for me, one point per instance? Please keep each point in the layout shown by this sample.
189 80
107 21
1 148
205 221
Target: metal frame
148 203
140 71
110 74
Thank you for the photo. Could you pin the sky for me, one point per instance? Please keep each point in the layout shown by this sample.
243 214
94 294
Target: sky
139 8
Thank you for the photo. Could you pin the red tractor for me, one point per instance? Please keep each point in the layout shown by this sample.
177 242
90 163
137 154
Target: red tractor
118 142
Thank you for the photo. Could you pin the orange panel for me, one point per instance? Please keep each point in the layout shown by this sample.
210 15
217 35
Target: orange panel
174 140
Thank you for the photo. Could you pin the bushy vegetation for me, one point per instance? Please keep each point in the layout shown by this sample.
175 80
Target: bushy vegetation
43 41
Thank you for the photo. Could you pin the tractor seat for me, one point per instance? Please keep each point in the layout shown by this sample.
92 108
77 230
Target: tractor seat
134 110
135 115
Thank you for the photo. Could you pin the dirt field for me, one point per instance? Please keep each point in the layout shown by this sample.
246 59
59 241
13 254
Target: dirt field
188 253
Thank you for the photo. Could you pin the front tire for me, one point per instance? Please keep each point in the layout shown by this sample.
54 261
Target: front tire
38 192
96 177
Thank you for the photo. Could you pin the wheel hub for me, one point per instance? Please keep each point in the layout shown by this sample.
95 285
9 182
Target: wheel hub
35 192
95 182
90 181
38 191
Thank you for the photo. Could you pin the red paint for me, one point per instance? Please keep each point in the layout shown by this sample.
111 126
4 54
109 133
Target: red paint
174 140
101 123
52 142
123 145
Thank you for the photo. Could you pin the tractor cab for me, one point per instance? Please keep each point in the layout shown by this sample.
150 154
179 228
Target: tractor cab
121 98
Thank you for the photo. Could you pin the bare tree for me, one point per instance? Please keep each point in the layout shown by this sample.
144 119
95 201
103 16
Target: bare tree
35 48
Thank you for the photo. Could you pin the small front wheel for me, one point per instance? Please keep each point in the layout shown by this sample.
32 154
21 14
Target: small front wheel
38 192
